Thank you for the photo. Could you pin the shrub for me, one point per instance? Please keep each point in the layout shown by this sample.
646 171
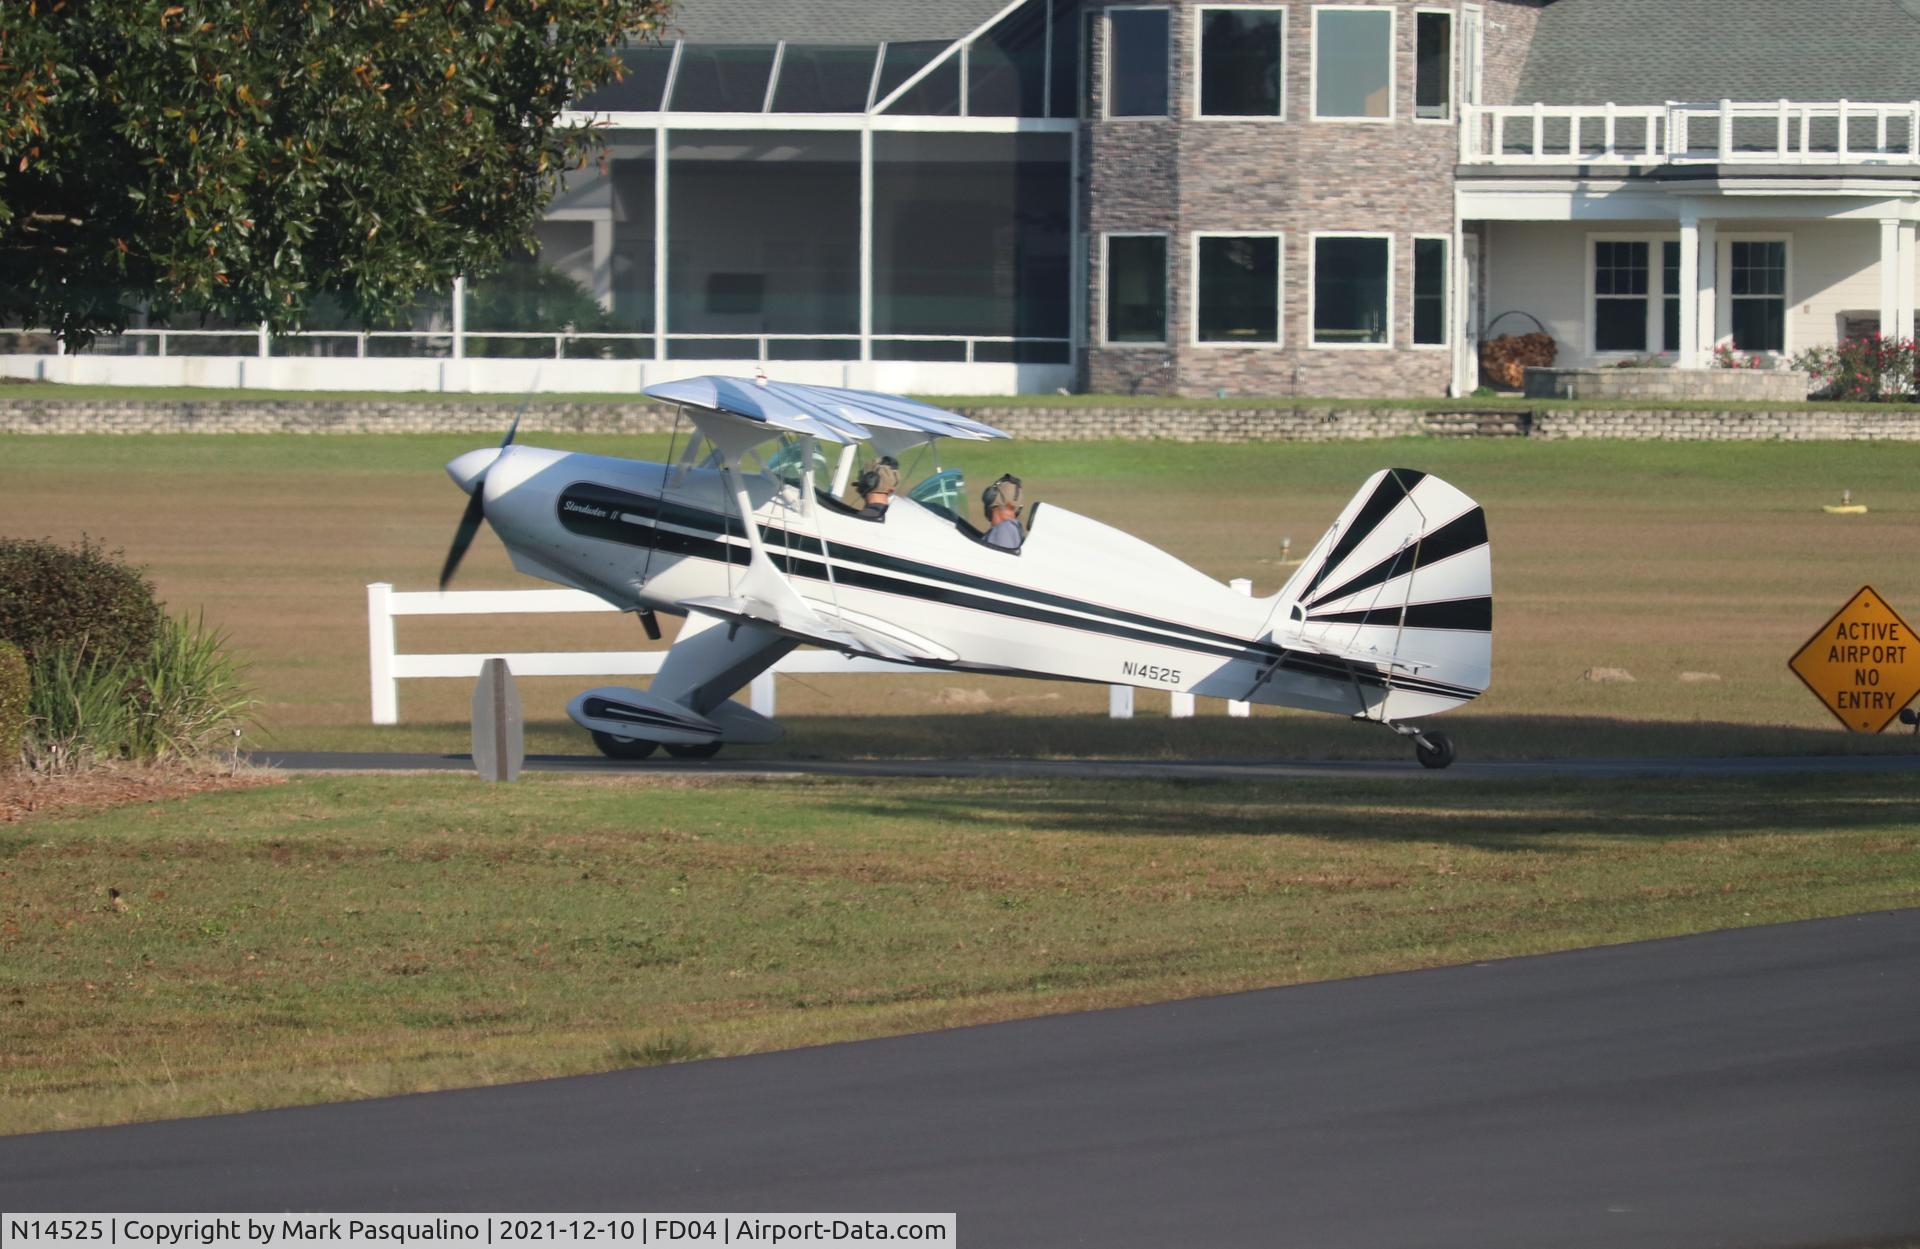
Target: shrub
1725 356
14 695
83 598
182 700
1868 367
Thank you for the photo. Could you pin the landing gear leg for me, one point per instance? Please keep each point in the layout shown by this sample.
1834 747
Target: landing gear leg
1433 750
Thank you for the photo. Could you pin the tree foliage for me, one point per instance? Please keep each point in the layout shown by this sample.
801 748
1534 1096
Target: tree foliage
233 157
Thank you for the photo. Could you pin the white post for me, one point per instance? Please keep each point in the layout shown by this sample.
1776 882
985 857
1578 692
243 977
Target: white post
1689 344
263 340
1235 708
1845 137
1539 129
1180 706
460 318
380 648
762 696
1890 277
1613 123
1783 141
1120 702
1726 131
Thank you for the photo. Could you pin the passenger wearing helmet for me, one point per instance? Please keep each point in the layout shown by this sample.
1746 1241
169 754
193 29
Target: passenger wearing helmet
1002 503
877 483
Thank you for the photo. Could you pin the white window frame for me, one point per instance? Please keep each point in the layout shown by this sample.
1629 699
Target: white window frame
1313 287
1106 271
1723 297
1472 86
1280 290
1199 61
1393 64
1656 297
1453 68
1106 63
1446 293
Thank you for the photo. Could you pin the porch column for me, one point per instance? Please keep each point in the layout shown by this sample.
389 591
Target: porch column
1890 276
1706 290
1904 293
603 261
1689 344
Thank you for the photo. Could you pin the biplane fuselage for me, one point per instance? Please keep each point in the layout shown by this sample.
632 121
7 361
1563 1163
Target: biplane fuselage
1367 627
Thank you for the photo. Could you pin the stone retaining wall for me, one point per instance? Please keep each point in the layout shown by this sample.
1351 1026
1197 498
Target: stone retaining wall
1325 423
1656 385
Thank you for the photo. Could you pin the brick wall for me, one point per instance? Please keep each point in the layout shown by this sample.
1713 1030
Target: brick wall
1184 175
1510 25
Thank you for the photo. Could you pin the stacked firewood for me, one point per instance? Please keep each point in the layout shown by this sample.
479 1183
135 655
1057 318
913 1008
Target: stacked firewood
1504 361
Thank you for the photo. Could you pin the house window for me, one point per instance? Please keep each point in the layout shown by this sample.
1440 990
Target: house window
1237 288
1758 280
1241 52
1136 62
1433 66
1670 301
1430 292
1351 284
1353 64
1136 288
1619 296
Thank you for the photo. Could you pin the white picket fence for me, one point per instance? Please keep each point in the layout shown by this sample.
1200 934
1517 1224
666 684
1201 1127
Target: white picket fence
387 667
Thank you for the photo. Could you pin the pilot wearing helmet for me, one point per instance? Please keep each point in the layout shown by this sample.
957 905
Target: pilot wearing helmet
1002 503
877 483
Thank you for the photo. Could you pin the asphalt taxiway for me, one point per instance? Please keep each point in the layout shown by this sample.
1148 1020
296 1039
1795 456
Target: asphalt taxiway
1758 1088
1107 769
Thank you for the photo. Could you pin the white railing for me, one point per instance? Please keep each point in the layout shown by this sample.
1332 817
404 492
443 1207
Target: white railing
387 667
1785 132
561 345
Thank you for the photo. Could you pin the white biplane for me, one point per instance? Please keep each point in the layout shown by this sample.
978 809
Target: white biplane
1389 618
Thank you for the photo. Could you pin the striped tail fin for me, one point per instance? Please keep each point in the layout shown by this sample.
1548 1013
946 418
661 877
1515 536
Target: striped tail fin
1402 583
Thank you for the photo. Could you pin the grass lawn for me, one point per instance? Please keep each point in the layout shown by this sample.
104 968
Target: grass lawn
346 937
1660 558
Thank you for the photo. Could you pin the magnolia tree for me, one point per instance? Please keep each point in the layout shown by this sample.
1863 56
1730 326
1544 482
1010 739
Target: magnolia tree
232 158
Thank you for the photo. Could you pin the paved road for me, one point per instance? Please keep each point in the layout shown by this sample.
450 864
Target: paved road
1103 769
1755 1088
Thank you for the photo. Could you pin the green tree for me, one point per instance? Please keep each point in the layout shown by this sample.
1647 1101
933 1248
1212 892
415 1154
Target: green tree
234 157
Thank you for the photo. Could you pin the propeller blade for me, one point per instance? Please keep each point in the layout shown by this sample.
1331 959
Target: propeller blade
513 428
464 535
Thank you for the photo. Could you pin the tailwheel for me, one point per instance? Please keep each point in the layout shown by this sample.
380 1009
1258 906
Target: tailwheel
1434 750
629 748
703 750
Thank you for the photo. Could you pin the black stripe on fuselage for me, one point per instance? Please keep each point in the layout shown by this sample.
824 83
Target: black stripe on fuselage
1467 615
1463 533
673 542
613 501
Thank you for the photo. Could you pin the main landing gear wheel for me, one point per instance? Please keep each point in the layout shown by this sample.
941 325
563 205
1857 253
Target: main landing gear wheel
629 748
1436 751
704 750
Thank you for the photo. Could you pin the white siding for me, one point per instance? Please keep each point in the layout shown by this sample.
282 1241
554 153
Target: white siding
1541 268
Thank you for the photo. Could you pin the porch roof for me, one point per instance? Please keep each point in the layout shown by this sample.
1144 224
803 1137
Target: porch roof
1592 51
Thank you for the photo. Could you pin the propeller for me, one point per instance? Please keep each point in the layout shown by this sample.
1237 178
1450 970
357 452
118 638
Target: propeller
476 512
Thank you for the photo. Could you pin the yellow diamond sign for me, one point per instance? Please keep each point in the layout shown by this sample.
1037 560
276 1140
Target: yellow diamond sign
1864 664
